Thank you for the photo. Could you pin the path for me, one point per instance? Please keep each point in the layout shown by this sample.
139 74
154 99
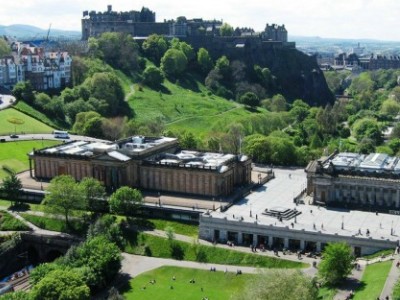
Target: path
391 280
131 92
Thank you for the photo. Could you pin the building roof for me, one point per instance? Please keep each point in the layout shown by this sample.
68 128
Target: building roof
374 162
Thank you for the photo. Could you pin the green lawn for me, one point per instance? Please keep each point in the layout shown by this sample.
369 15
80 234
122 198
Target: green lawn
53 224
213 285
14 154
12 120
8 222
379 253
373 280
149 245
179 227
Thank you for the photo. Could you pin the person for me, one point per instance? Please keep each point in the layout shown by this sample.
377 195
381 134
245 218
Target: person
173 277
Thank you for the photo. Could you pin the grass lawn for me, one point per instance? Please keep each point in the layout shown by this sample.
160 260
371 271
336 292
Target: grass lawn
149 245
325 293
53 224
379 253
373 280
12 120
216 285
8 222
14 154
30 111
179 227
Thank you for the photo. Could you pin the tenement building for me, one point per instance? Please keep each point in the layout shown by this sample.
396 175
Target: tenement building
352 180
144 162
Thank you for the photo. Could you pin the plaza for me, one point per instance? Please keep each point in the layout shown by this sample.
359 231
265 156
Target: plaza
279 215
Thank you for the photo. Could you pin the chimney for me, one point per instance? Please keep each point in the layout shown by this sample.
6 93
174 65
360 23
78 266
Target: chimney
109 8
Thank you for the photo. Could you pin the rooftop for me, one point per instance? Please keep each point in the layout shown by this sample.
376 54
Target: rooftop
374 162
278 194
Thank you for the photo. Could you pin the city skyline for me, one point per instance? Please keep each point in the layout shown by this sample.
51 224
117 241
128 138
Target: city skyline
356 19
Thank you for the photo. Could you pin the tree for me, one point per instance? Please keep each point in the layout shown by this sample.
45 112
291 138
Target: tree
173 63
337 263
188 141
154 47
24 91
4 48
390 108
278 103
113 128
94 193
226 30
12 187
63 285
184 47
152 76
64 196
82 119
93 127
369 128
249 99
125 200
204 60
279 284
98 259
300 110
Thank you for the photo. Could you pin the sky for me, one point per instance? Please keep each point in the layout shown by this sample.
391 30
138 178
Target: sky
351 19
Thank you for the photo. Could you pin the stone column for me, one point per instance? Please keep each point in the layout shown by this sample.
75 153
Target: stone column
397 198
30 167
240 238
223 235
318 247
302 244
286 243
270 240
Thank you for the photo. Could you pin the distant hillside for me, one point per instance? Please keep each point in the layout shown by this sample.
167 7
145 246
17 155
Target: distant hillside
23 32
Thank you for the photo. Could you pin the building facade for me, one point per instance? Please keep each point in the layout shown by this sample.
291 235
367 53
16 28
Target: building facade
367 182
44 69
147 163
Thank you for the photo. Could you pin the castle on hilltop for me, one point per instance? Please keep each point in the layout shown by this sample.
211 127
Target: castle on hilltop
198 32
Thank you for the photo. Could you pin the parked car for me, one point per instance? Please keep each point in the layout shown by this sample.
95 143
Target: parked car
14 136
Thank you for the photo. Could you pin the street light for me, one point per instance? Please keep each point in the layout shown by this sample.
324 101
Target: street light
251 215
342 222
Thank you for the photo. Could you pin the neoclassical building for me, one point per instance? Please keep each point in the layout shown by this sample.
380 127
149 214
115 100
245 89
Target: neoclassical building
144 162
367 182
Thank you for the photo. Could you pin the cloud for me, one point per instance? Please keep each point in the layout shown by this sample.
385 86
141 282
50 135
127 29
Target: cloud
340 18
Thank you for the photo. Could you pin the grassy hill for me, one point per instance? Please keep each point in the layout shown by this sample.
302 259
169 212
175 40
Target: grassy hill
188 106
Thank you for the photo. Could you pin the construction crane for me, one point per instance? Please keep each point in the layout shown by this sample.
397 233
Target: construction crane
48 33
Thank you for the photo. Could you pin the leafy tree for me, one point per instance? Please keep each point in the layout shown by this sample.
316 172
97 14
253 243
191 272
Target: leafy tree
362 83
257 147
18 295
173 63
232 140
249 99
107 87
98 259
204 60
108 226
119 50
337 263
278 103
188 141
367 127
223 66
4 48
279 284
390 108
152 76
226 30
94 193
72 109
24 91
12 187
125 200
283 151
184 47
82 118
93 127
64 196
170 232
41 271
299 110
63 285
154 47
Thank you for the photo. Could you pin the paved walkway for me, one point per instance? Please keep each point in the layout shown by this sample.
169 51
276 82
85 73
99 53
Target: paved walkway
391 280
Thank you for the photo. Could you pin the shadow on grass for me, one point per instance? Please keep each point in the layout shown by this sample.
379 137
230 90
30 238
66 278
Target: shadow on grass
252 109
22 207
136 223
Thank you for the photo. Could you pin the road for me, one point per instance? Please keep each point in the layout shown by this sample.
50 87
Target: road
49 136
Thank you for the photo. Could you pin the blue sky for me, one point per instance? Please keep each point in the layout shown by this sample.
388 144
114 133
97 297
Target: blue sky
374 19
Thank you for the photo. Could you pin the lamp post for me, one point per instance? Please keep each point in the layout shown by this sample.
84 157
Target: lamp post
213 204
251 215
342 222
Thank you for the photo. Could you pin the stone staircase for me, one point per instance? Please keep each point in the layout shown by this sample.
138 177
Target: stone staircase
282 213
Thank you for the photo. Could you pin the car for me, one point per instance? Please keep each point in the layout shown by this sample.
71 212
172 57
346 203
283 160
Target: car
14 136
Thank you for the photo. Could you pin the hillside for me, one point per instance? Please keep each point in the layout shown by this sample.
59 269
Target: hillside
193 109
21 31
